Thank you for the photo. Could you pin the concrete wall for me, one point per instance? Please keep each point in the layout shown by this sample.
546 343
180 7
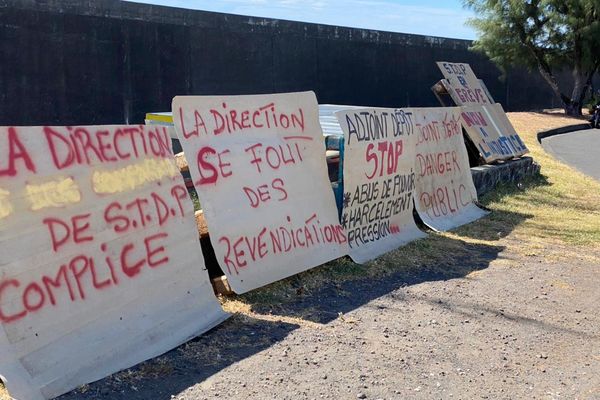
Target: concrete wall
107 61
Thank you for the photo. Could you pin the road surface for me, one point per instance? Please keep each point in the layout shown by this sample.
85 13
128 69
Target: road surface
579 149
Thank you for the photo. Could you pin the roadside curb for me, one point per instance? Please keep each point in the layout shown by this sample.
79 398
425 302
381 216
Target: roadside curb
487 177
559 131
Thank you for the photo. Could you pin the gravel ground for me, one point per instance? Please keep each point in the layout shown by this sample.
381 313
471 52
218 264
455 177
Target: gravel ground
514 325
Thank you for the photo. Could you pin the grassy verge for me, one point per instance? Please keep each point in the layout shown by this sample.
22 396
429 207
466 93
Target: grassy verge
3 392
567 206
554 215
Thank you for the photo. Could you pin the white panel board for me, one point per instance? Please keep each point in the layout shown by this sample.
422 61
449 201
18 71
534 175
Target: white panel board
463 86
445 194
100 265
506 129
258 165
379 180
491 132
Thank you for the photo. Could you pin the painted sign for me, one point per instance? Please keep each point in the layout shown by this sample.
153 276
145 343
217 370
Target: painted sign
445 194
379 180
463 86
100 265
491 132
506 129
258 165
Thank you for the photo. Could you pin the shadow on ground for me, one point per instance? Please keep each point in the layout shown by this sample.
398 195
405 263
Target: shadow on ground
500 223
474 311
561 115
339 296
319 295
189 364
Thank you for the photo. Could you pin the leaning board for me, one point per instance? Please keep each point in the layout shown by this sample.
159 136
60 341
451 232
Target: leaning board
379 180
100 265
492 133
463 85
445 194
505 127
258 165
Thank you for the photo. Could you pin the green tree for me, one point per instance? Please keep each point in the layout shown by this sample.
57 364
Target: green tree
550 35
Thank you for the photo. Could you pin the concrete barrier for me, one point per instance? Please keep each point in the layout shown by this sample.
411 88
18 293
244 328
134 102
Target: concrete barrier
561 130
487 177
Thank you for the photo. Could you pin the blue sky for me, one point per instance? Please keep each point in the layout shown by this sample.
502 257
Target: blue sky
426 17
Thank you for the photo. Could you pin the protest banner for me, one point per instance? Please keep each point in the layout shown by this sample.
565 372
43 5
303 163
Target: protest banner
258 165
379 180
463 86
100 265
486 122
445 194
498 117
491 132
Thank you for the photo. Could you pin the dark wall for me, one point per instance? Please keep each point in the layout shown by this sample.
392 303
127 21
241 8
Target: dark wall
107 61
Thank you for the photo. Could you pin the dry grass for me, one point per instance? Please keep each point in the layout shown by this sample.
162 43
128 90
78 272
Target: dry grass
564 205
3 392
551 216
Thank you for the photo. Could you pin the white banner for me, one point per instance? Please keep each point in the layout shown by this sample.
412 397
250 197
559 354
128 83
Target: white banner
491 132
465 88
100 265
258 164
379 180
512 139
445 194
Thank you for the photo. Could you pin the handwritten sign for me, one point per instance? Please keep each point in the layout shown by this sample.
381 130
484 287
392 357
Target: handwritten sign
258 164
379 180
100 265
464 87
444 187
506 129
491 131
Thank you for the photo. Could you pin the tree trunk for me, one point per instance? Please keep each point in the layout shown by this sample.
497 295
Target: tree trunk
583 82
548 76
573 109
580 88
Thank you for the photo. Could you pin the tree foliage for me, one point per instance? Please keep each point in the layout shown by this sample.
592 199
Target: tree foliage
549 35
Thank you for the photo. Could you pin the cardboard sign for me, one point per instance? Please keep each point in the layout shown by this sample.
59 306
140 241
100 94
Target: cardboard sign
445 194
379 180
100 265
463 86
258 164
506 129
491 132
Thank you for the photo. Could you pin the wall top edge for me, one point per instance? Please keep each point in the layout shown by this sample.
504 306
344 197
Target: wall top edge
126 10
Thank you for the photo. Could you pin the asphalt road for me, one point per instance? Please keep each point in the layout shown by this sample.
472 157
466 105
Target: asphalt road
579 149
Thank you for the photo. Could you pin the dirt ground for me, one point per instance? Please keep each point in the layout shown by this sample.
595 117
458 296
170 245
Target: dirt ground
504 308
516 326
